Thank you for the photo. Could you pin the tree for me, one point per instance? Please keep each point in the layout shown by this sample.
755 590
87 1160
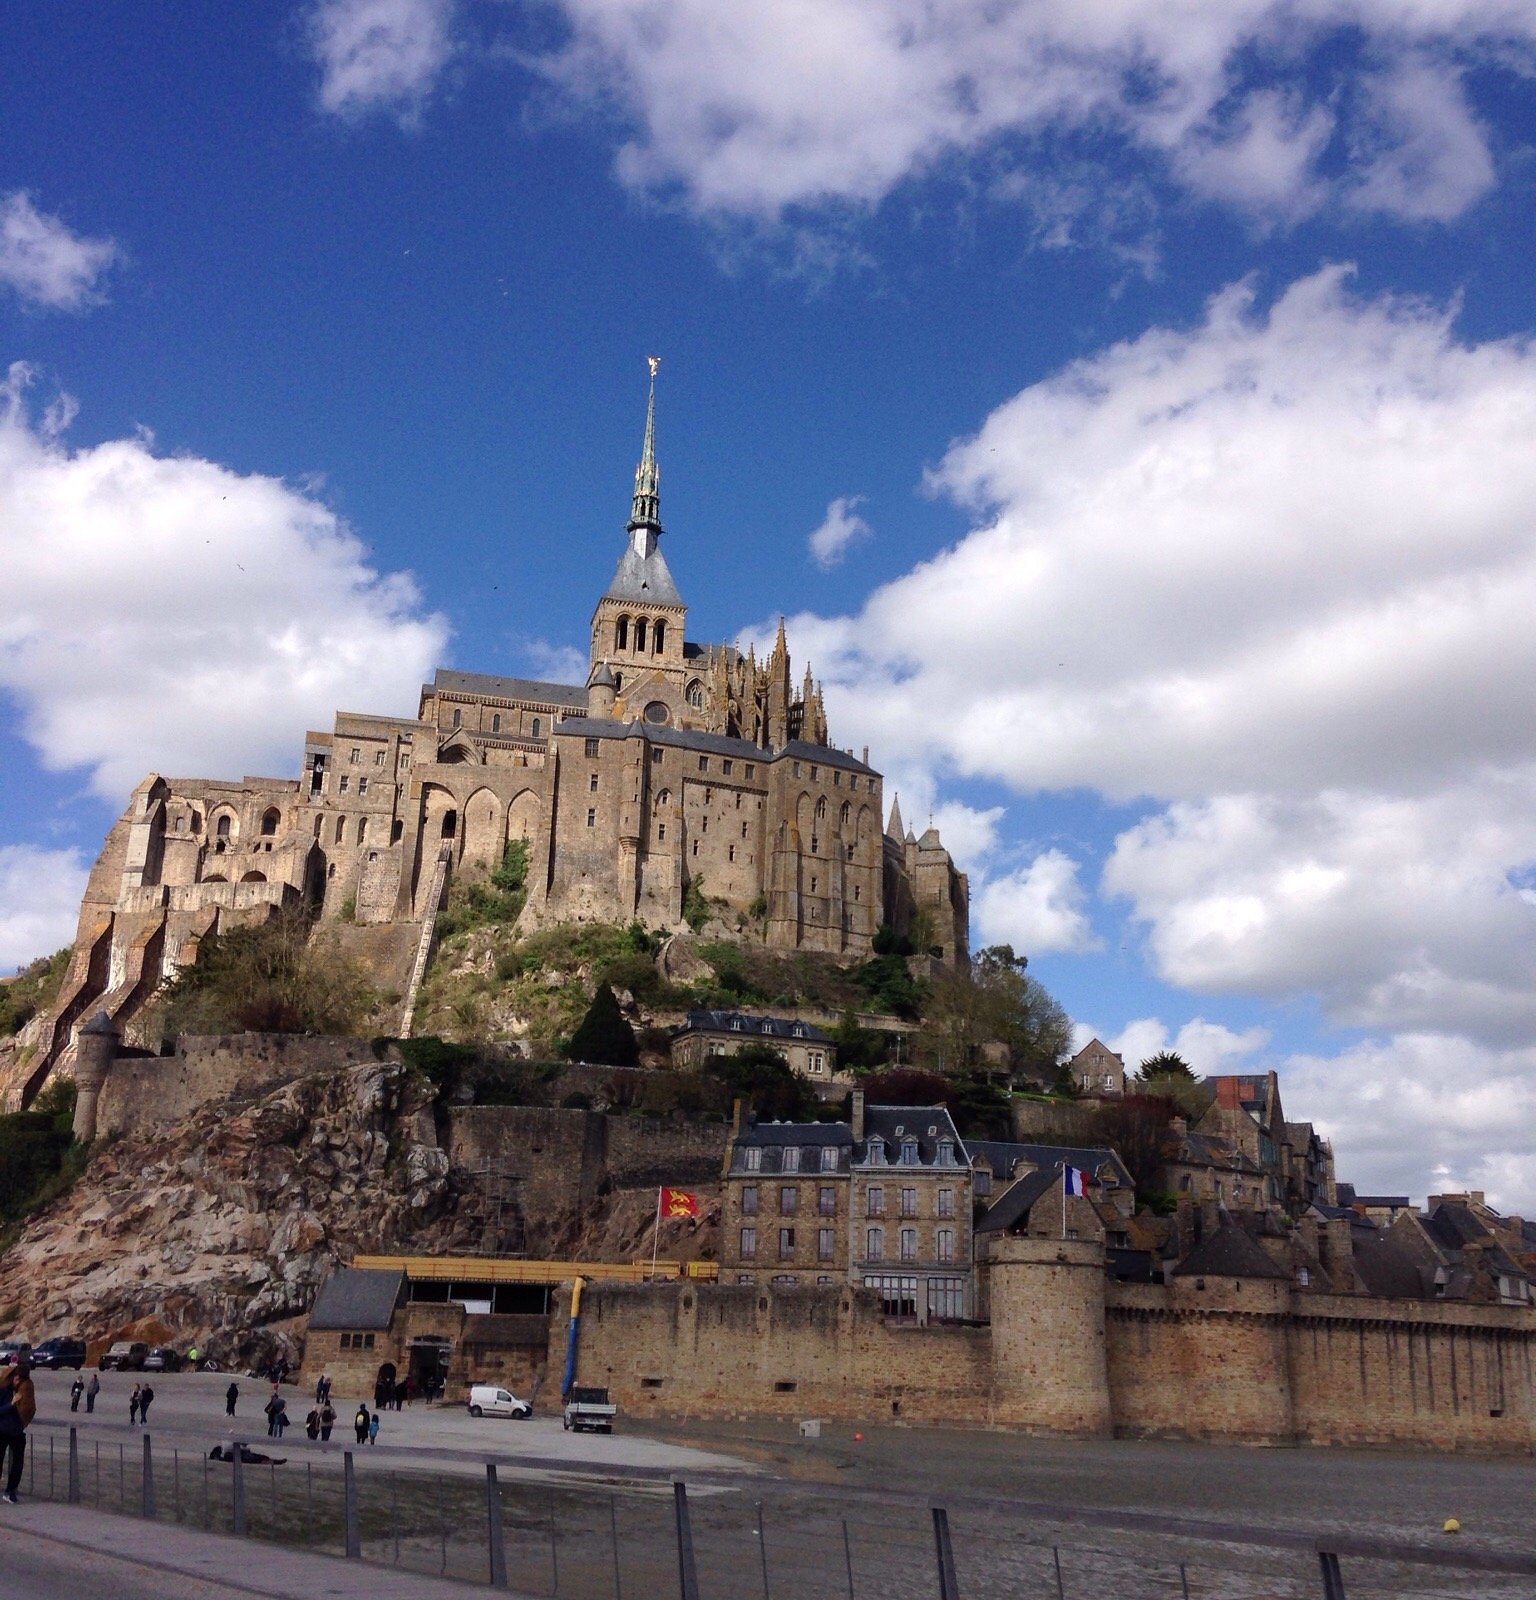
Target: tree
1139 1128
605 1036
760 1075
996 1002
1169 1076
1165 1064
980 1109
265 977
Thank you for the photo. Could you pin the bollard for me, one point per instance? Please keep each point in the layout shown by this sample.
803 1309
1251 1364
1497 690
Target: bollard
237 1488
1333 1578
949 1587
613 1526
354 1534
687 1568
147 1484
1061 1588
74 1467
493 1539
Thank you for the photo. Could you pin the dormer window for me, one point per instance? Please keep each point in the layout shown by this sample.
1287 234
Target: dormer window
946 1155
909 1152
829 1158
736 1024
875 1152
791 1158
752 1158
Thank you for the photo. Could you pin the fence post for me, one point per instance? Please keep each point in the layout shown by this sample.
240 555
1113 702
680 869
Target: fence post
354 1535
762 1548
1333 1579
848 1557
687 1569
494 1544
237 1487
74 1466
613 1528
949 1587
147 1484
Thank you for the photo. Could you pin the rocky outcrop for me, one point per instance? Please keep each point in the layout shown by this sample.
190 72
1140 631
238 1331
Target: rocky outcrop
224 1225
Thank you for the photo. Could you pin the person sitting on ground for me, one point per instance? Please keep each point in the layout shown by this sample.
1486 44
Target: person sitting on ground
18 1406
248 1456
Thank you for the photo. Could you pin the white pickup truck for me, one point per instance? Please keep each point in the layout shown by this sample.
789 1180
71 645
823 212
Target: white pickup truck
588 1411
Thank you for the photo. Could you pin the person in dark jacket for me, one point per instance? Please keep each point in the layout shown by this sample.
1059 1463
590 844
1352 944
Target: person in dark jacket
360 1424
76 1390
231 1395
327 1420
92 1389
146 1395
18 1406
133 1404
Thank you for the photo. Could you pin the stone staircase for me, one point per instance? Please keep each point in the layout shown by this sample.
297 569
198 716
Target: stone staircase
429 910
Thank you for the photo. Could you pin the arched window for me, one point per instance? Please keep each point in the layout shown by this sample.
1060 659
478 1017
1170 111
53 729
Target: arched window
458 717
341 823
496 723
269 820
664 798
450 824
537 724
821 809
362 829
845 814
659 635
621 634
221 827
695 695
640 636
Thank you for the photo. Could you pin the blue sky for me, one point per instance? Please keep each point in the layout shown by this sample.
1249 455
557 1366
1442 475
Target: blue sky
1130 407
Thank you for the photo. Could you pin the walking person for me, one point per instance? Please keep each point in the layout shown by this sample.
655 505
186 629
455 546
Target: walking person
231 1395
18 1405
92 1389
373 1428
280 1419
76 1390
133 1405
327 1419
312 1423
360 1423
145 1397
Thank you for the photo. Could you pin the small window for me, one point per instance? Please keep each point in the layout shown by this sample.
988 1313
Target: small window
785 1386
656 753
458 717
378 758
537 727
367 1341
786 1243
795 765
909 1152
874 1243
824 1244
909 1202
592 783
730 852
826 1200
362 786
749 1200
727 767
789 1197
909 1244
450 824
703 763
791 1158
829 1158
751 770
362 829
594 746
874 1201
946 1202
269 820
591 816
753 1157
661 833
356 755
651 1383
748 1242
341 823
496 723
944 1244
341 787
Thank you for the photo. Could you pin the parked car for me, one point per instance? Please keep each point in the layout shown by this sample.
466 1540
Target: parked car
486 1400
10 1349
588 1411
163 1359
127 1355
60 1352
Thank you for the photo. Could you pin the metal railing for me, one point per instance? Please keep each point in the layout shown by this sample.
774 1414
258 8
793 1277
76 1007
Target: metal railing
640 1535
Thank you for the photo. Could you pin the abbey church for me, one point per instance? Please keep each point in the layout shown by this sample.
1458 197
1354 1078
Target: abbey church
674 764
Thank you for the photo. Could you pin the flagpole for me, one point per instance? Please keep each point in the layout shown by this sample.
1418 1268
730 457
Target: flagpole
1064 1171
656 1230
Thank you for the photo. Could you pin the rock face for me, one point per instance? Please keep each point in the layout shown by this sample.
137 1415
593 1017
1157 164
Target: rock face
224 1225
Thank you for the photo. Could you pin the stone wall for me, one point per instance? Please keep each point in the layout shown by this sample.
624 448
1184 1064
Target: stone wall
155 1091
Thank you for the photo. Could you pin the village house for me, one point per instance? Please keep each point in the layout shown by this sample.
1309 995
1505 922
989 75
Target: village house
808 1051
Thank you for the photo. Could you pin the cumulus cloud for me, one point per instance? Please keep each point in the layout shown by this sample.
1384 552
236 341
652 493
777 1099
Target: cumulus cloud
753 110
165 613
842 528
1207 1046
380 54
40 894
1424 1113
44 263
1037 908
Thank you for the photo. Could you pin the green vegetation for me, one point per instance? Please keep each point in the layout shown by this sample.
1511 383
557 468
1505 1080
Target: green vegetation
696 909
38 1156
269 977
511 877
761 1076
605 1036
980 1109
35 989
996 1003
888 986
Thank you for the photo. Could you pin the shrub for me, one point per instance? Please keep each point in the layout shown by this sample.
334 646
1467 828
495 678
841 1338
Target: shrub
512 875
605 1036
695 904
34 989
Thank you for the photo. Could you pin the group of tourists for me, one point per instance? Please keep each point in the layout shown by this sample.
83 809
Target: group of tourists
80 1389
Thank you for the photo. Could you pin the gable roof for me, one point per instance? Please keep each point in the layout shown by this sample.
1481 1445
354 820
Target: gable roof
1228 1253
357 1297
446 681
1015 1203
744 1022
1001 1155
896 1124
646 580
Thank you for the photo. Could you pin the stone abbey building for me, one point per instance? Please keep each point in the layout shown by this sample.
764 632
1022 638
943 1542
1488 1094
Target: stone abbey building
675 763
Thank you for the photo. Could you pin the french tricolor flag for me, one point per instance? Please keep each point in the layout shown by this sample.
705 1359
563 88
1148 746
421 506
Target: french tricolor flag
1074 1180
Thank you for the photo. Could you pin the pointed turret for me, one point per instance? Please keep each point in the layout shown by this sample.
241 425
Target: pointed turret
645 509
895 828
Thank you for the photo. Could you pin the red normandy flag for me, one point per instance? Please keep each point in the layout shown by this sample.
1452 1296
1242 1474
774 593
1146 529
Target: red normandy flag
679 1203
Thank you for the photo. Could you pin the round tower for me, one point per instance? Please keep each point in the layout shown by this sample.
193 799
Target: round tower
95 1051
601 690
1048 1365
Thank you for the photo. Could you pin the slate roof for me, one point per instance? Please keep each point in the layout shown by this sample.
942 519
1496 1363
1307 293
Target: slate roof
774 1027
1013 1206
894 1124
826 755
644 579
357 1297
1228 1253
681 738
1001 1157
1205 1150
783 1133
448 681
1385 1268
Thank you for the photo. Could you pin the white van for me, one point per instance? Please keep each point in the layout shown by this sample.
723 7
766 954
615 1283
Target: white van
486 1400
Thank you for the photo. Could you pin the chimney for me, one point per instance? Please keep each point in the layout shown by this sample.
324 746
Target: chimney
858 1115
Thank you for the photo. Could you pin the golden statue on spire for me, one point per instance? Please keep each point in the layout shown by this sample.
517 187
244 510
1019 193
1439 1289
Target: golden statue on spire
653 362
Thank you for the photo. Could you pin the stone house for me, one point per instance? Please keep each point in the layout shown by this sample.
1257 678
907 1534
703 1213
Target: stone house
1205 1167
1098 1070
810 1052
883 1201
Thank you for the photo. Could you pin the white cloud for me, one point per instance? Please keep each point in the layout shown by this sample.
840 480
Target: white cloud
40 894
1423 1113
842 528
43 262
168 614
1207 1046
752 110
1037 908
554 663
380 54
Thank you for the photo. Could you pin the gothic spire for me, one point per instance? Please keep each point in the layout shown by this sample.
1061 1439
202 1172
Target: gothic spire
645 510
